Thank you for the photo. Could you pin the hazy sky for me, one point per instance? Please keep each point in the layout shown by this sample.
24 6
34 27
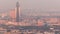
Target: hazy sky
44 5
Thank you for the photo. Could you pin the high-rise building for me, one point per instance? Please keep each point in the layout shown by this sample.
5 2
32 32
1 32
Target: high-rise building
17 12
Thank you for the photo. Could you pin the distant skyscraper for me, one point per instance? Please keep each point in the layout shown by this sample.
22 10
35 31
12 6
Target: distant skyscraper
17 12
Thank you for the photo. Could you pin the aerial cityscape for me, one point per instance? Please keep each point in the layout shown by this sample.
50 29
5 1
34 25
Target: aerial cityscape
29 21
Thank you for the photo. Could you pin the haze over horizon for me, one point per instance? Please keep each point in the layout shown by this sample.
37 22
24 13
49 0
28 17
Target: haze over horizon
42 5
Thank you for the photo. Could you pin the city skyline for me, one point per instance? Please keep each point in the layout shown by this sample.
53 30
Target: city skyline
30 17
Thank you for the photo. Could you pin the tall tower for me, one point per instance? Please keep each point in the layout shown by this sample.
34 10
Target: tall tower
17 12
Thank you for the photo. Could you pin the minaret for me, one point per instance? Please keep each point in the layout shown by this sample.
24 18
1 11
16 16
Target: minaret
17 12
